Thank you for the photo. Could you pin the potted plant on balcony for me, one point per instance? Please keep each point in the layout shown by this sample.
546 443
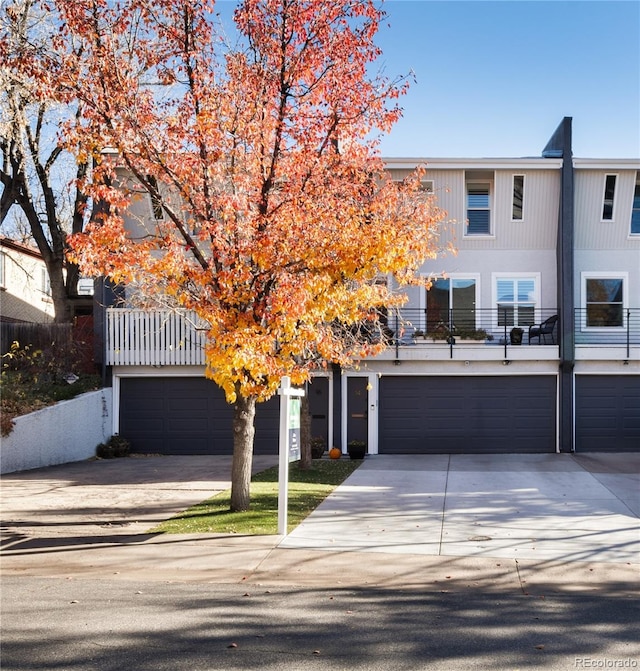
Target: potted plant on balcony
516 336
472 334
356 449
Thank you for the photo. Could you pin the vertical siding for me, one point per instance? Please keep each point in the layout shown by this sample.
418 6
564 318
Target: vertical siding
605 245
517 246
538 228
449 193
590 231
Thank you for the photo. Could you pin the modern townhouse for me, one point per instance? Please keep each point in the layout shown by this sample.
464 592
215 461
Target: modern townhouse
527 340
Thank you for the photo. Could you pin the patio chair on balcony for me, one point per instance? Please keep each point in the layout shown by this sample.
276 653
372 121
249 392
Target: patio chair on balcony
546 328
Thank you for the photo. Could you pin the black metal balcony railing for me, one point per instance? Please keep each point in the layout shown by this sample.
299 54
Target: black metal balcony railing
508 326
505 326
614 327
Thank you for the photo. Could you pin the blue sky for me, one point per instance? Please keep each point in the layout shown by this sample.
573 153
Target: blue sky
495 78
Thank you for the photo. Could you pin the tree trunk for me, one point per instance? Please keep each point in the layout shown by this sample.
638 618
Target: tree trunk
244 412
61 302
305 433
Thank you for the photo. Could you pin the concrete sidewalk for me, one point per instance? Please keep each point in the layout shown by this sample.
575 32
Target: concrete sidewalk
459 521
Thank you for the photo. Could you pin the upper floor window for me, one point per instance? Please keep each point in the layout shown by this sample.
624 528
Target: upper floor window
609 197
517 206
635 211
516 299
451 304
2 271
45 282
426 186
478 205
156 201
604 299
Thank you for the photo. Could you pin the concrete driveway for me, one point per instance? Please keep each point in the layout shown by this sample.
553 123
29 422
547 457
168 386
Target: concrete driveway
540 508
111 497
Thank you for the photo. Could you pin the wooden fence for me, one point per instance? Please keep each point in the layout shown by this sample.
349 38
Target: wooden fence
39 336
75 342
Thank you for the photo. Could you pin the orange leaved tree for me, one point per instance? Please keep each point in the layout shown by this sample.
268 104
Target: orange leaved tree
278 220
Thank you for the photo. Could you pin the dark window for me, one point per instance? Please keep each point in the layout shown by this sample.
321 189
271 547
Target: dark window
604 302
518 197
635 212
609 195
156 201
451 304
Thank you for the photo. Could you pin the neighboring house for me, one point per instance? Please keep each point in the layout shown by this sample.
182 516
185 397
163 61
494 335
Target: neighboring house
547 246
25 293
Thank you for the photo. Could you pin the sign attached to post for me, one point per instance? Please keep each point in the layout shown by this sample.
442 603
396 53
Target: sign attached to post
294 428
289 447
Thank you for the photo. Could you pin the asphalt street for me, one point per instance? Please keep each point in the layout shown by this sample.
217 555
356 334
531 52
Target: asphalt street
113 625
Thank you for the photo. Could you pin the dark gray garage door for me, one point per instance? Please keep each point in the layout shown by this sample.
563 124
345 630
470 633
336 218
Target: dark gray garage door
607 413
187 415
430 415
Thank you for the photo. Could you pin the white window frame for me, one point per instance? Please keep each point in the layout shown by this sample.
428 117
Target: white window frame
427 186
3 261
604 275
45 283
613 200
513 188
537 309
452 276
636 187
479 181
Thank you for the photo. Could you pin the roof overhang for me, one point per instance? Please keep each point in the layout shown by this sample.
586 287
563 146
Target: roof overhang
606 163
533 163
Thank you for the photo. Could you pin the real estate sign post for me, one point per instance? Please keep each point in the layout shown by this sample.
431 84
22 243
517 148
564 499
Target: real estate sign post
289 448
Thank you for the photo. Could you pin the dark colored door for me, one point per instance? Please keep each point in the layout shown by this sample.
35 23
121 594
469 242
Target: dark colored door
187 415
357 409
318 390
607 413
490 414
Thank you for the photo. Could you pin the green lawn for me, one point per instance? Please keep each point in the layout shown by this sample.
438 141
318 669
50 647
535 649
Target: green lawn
307 489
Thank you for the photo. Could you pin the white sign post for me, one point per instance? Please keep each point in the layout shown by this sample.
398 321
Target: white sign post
289 448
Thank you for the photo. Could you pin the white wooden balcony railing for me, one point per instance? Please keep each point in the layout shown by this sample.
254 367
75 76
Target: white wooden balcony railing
154 338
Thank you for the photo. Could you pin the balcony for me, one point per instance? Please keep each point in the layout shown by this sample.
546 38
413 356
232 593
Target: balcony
154 338
614 335
176 338
479 334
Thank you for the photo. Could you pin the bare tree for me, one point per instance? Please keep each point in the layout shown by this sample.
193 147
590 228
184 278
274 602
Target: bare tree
38 175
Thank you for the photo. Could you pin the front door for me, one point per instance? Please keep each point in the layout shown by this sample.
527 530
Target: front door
357 409
318 391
